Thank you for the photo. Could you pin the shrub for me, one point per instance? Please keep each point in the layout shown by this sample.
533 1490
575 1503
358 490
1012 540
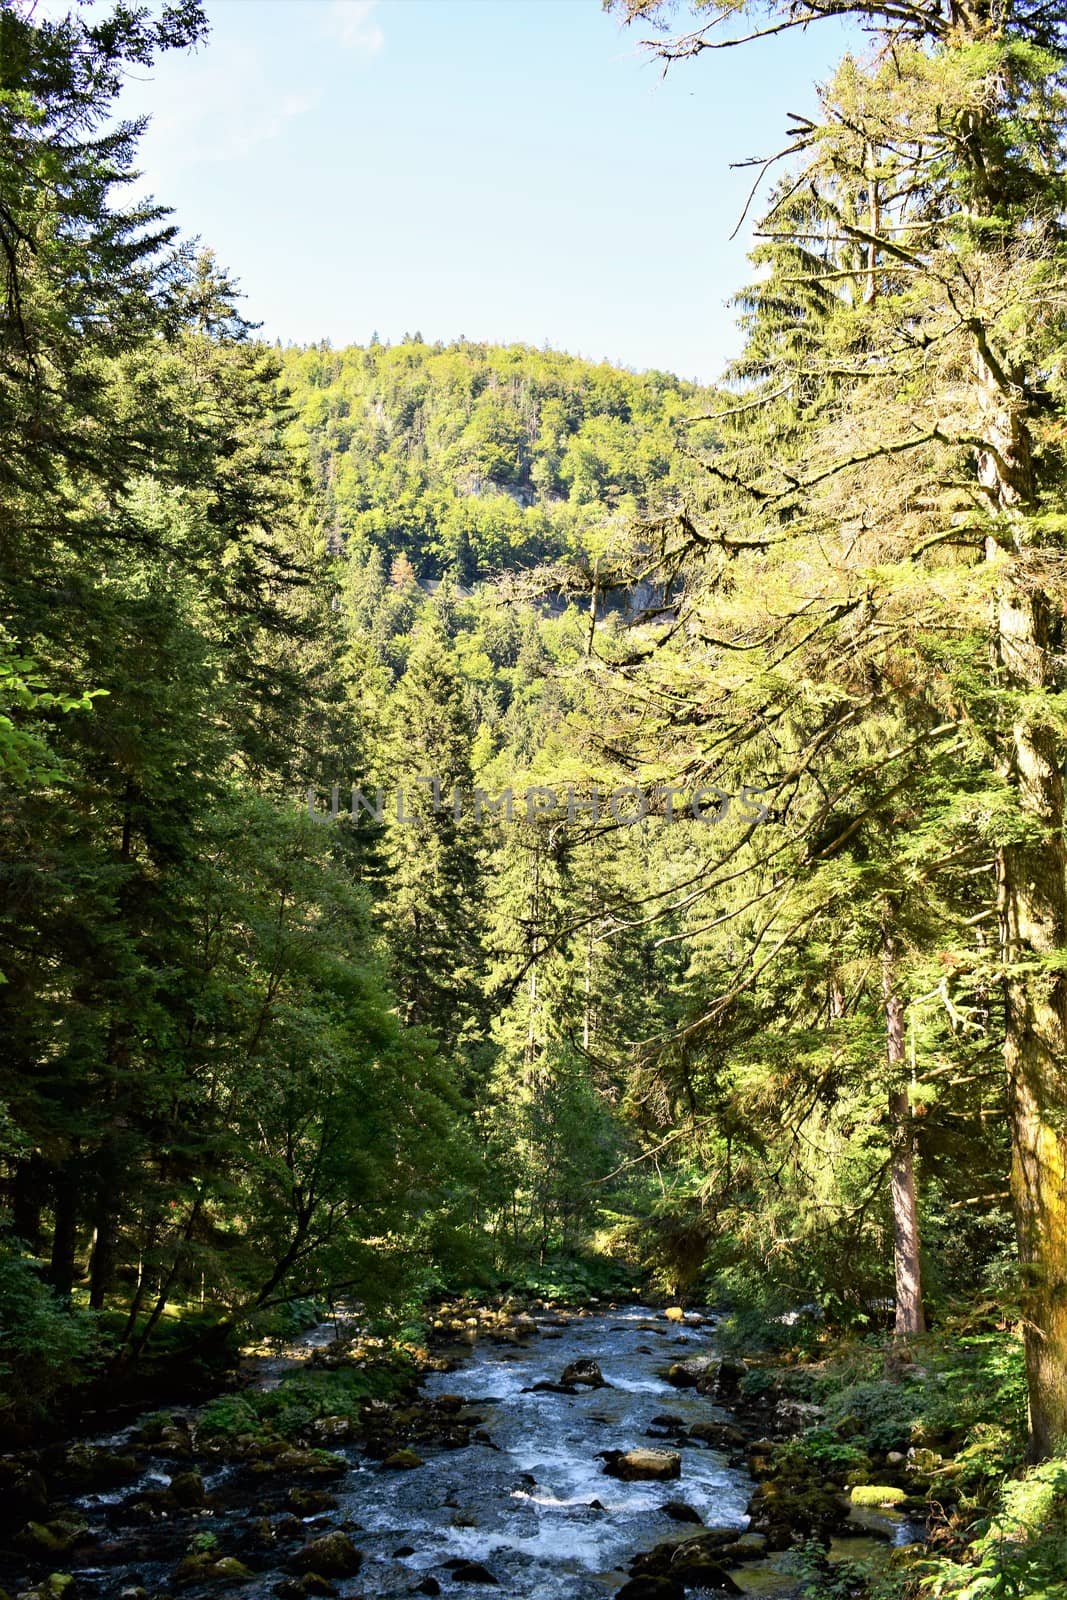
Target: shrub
45 1344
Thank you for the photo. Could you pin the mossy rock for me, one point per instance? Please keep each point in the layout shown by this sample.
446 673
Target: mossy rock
333 1555
57 1586
402 1461
37 1539
187 1488
877 1494
229 1570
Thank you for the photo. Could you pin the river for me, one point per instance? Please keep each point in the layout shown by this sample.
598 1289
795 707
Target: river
527 1498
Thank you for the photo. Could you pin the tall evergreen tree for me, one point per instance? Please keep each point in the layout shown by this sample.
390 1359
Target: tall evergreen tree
942 436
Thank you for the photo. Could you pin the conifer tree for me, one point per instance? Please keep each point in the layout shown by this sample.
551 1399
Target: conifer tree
939 444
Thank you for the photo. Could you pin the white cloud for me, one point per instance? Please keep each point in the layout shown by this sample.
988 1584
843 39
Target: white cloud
353 24
219 107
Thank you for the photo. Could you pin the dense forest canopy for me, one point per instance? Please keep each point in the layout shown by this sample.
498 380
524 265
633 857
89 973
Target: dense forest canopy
474 459
800 1040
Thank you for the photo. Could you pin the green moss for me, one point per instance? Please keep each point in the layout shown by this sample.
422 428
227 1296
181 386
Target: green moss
877 1494
304 1397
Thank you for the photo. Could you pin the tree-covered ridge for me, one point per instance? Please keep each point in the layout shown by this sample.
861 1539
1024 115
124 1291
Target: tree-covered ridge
472 458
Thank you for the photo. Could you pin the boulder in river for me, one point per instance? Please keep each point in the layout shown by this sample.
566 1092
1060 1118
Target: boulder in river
207 1566
314 1583
749 1547
650 1589
696 1568
58 1586
674 1314
584 1372
188 1489
699 1372
92 1468
403 1461
635 1466
474 1572
678 1511
45 1539
332 1555
310 1502
310 1463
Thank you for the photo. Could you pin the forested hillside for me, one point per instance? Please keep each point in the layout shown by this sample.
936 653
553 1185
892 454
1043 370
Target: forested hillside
250 1059
474 459
480 820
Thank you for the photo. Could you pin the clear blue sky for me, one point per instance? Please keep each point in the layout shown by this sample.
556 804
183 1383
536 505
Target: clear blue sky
501 169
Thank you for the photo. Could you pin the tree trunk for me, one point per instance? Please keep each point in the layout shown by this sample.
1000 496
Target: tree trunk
27 1202
102 1268
1032 903
64 1230
906 1262
1032 907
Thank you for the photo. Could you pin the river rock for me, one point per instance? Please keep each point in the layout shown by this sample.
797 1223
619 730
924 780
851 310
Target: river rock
720 1435
659 1562
310 1502
188 1489
749 1547
473 1572
332 1430
634 1466
877 1494
678 1511
205 1566
731 1371
779 1510
45 1539
92 1468
145 1507
228 1569
674 1314
428 1586
403 1461
650 1589
696 1566
23 1494
584 1372
310 1583
58 1586
213 1568
333 1555
311 1463
315 1583
699 1372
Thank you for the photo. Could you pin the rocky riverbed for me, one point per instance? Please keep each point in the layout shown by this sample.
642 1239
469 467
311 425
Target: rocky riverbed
564 1456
